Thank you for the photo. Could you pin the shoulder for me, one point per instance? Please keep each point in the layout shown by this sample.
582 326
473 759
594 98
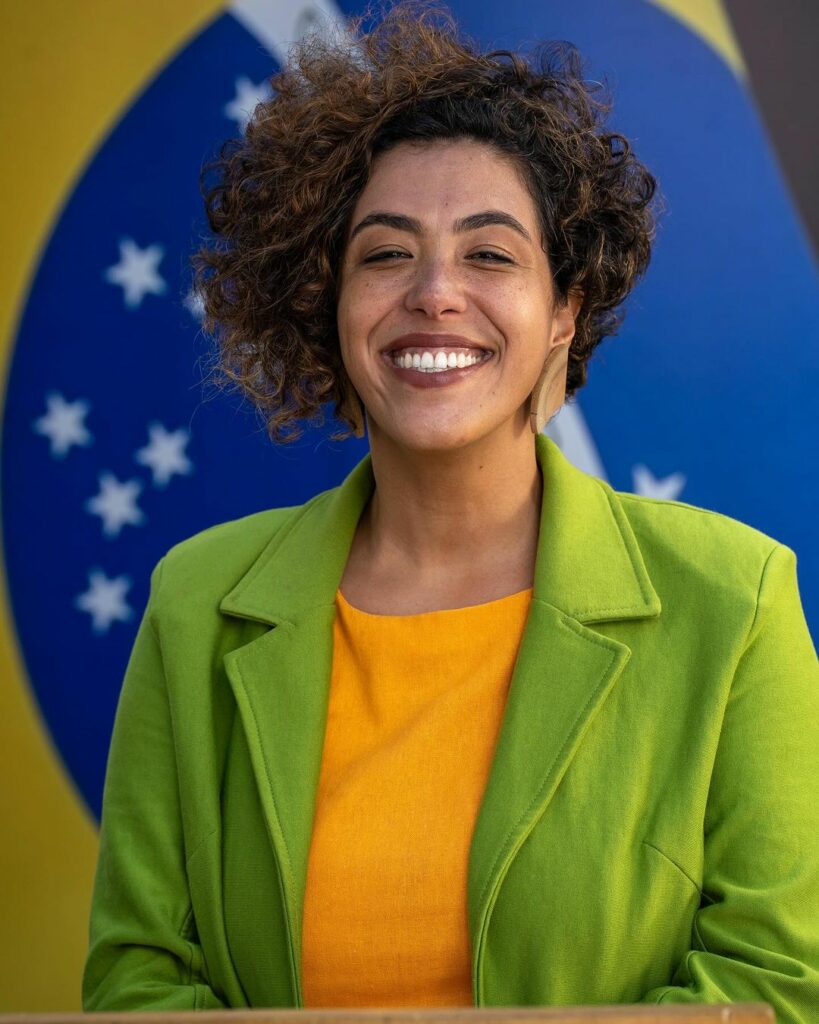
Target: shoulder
680 542
202 568
720 576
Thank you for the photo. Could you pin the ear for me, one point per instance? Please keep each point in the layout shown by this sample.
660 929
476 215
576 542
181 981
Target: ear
565 317
576 297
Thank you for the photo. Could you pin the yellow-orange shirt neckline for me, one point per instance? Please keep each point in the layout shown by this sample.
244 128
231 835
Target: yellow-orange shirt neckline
519 594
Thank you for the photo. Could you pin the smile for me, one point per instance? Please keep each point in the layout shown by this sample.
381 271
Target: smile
442 359
424 367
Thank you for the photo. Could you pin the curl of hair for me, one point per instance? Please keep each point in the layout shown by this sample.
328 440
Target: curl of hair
280 205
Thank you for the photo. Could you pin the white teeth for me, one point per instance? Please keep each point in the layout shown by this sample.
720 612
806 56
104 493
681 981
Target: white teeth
429 363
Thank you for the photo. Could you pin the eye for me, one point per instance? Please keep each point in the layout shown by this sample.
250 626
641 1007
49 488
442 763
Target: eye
494 255
382 255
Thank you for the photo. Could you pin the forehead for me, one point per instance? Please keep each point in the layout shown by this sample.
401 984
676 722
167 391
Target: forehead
445 178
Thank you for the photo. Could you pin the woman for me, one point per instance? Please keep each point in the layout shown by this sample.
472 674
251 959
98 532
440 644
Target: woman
472 728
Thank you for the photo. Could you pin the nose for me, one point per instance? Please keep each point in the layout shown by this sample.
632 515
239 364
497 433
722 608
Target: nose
435 288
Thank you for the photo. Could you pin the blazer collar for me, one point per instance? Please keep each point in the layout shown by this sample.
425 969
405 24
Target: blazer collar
588 565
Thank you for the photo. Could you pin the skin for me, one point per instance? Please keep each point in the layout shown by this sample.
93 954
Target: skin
454 517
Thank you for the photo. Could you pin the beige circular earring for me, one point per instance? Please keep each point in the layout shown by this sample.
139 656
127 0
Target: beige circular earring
549 392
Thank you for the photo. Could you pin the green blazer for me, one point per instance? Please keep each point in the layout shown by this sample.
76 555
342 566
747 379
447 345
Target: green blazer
649 828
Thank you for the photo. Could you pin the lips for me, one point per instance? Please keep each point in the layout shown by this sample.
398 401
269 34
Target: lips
432 341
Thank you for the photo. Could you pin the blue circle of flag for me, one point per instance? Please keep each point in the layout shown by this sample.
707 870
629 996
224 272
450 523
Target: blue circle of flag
114 447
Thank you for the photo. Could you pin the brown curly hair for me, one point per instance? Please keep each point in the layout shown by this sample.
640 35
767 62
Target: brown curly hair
284 193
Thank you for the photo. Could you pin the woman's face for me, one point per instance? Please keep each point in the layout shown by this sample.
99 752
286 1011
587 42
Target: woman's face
410 267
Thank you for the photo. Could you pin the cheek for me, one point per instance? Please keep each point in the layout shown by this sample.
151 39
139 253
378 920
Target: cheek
355 305
520 306
345 321
535 325
361 309
352 334
520 324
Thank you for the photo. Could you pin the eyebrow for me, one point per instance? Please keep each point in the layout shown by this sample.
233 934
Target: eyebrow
400 222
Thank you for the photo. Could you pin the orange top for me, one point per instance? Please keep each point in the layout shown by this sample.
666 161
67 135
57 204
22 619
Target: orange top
415 706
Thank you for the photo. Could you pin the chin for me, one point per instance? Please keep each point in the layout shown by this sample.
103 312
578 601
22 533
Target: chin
431 438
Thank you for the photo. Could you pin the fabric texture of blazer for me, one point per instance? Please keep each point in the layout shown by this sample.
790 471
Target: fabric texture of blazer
649 832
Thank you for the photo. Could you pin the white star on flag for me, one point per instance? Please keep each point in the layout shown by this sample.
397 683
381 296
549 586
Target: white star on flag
105 600
137 272
164 453
647 484
116 504
195 305
63 424
248 95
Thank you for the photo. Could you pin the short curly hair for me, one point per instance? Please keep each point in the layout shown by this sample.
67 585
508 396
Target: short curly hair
284 193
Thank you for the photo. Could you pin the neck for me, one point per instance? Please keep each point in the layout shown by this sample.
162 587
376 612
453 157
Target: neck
470 510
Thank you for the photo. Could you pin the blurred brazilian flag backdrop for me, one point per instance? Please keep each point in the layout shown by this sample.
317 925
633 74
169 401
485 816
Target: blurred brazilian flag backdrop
112 447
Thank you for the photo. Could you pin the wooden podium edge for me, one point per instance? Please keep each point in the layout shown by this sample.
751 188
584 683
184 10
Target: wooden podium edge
701 1013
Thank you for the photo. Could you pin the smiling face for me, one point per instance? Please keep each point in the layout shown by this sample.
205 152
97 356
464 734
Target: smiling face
445 240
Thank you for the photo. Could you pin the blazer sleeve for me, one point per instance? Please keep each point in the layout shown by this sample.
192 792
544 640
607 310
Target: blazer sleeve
755 935
143 949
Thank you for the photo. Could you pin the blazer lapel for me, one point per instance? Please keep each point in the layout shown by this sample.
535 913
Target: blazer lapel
588 569
281 679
